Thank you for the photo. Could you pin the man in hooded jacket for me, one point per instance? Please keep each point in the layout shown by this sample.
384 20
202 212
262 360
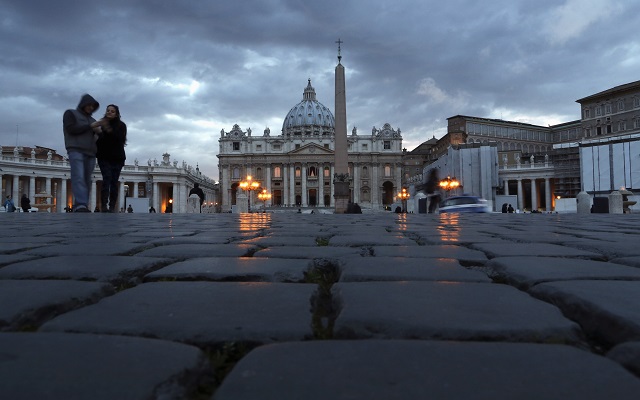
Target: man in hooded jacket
79 140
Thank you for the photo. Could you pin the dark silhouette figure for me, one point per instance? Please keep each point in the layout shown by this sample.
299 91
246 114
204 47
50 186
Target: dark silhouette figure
431 187
510 209
25 203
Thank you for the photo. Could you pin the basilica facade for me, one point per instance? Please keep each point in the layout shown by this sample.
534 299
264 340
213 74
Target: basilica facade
297 166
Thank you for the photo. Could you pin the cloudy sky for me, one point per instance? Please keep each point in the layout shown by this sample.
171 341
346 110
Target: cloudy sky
183 70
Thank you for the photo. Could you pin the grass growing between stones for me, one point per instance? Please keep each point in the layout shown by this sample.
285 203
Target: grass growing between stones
324 273
222 360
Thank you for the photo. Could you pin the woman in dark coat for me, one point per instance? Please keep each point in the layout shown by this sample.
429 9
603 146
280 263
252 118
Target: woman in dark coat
111 156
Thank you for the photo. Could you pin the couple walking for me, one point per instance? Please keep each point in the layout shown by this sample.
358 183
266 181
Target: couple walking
85 139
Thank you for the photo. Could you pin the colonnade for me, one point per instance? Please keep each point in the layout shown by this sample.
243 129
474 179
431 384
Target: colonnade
535 199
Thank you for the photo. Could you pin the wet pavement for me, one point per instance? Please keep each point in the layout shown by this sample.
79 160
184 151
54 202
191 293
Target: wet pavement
319 306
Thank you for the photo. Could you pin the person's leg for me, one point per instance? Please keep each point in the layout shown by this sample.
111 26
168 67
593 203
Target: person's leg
78 181
89 168
114 189
105 169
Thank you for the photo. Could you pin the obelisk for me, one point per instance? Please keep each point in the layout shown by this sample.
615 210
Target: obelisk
341 171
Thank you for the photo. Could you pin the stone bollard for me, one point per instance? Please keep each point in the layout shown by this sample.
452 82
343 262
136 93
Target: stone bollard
615 202
193 204
584 203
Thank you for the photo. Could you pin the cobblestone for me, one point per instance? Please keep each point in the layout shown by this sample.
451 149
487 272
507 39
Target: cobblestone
317 306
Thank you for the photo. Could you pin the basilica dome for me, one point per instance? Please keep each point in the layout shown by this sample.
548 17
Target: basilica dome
309 117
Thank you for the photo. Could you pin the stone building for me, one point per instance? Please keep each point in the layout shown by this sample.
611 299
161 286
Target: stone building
41 173
297 166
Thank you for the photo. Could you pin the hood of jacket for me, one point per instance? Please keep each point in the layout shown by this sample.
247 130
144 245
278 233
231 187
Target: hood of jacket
85 101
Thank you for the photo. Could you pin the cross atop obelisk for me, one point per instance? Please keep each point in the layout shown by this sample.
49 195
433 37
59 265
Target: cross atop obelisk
341 178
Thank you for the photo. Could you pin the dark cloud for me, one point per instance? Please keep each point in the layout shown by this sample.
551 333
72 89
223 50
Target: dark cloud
182 71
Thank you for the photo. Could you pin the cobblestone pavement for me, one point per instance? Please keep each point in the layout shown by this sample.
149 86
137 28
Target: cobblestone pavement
314 306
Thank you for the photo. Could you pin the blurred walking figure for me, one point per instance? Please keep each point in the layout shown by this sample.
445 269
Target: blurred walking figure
431 187
111 156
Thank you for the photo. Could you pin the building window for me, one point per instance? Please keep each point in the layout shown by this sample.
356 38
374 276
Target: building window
607 109
387 145
259 173
326 145
365 172
313 172
598 111
387 170
620 105
258 147
236 173
276 147
236 146
636 123
297 145
609 130
365 147
327 172
587 113
636 102
298 172
622 126
598 131
277 172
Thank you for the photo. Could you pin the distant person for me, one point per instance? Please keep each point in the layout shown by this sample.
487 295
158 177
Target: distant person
111 156
505 208
152 210
129 209
8 204
197 190
431 187
25 203
510 209
79 140
398 210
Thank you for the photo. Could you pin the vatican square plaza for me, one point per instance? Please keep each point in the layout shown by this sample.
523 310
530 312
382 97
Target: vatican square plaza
274 289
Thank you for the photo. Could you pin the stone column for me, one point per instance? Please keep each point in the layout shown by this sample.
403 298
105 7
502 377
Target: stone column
292 185
321 186
305 195
356 183
156 196
176 197
520 195
92 196
135 189
534 195
184 194
506 187
63 195
547 194
32 188
332 201
225 188
15 191
375 185
47 188
120 203
268 179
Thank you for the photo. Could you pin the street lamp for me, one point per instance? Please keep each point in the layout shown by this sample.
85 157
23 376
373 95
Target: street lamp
404 195
264 196
249 185
449 184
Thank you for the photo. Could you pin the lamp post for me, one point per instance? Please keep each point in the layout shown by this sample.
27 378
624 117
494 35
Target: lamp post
249 185
449 184
264 196
404 195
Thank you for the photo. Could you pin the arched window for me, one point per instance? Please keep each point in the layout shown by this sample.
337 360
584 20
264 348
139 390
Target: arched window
277 172
298 172
313 171
236 173
365 172
327 172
